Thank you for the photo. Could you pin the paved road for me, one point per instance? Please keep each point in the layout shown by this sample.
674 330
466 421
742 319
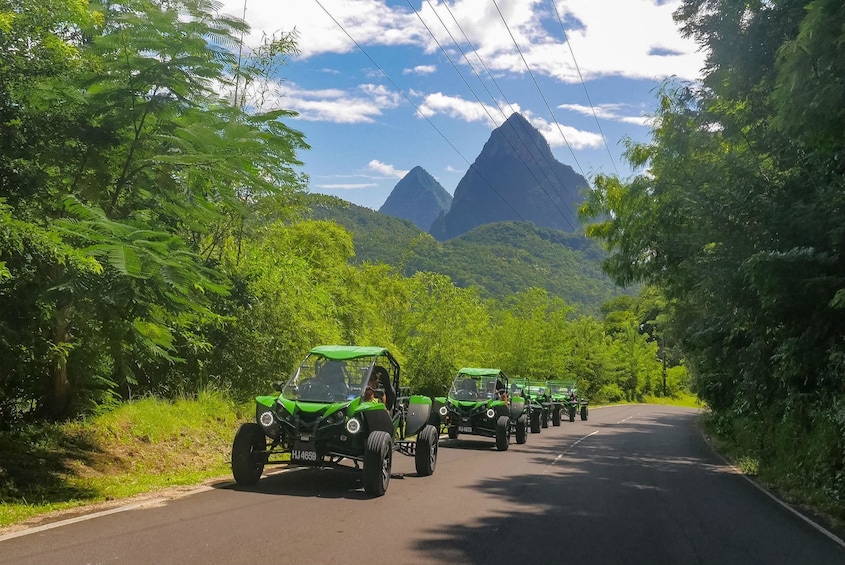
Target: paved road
633 485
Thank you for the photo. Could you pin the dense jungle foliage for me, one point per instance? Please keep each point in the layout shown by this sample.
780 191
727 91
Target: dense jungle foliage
738 218
154 238
498 259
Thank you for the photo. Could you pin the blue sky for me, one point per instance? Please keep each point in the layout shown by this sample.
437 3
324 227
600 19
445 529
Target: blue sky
429 80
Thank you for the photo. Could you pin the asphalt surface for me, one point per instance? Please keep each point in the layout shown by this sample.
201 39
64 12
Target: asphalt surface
632 485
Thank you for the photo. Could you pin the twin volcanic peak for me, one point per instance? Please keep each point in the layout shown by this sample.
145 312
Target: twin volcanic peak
418 197
514 178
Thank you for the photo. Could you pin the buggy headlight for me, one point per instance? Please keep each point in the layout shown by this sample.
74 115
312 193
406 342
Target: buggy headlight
266 419
269 423
443 410
490 412
353 426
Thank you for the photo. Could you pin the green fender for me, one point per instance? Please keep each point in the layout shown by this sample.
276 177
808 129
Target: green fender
267 401
419 410
517 407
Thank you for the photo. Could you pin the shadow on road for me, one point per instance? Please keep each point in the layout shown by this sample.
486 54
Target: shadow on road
663 508
341 482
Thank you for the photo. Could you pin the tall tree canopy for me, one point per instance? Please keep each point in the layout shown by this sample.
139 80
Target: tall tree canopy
123 171
738 217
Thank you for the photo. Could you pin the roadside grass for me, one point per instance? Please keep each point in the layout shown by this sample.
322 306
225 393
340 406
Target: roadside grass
683 399
152 444
139 447
796 465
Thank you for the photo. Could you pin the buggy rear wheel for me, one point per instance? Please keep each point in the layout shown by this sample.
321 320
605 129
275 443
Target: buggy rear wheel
583 412
378 461
544 419
248 454
453 432
535 422
521 429
503 432
425 453
556 417
572 410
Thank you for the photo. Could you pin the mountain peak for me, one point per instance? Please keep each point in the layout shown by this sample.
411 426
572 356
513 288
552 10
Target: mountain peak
514 178
417 197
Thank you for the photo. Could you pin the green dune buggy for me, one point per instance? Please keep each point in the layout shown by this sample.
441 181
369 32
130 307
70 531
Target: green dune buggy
566 393
535 412
342 408
478 403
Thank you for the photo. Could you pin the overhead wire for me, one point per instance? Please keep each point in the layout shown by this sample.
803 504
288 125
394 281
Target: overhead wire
533 138
565 217
417 108
584 84
540 90
484 106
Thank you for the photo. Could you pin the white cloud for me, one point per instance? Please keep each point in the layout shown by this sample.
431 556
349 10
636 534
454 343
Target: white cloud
420 70
611 112
471 111
461 108
385 169
559 135
628 38
361 105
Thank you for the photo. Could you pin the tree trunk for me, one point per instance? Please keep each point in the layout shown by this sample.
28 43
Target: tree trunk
59 397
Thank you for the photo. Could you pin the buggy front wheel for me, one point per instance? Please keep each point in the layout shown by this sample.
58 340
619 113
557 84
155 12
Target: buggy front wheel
503 432
378 462
425 452
248 454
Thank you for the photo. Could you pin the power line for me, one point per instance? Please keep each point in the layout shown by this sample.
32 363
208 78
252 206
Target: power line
518 137
536 84
581 78
420 112
493 80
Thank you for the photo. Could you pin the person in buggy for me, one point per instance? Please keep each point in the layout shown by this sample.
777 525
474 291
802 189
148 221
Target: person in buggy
379 388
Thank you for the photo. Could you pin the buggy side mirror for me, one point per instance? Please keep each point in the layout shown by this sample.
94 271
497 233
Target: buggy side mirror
278 386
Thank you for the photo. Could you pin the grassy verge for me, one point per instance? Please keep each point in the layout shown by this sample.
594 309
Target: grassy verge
139 447
798 465
683 399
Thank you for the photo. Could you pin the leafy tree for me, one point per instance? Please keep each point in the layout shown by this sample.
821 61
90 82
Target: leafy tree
442 329
134 161
738 220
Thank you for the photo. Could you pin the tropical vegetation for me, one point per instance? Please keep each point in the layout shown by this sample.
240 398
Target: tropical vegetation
155 238
737 217
156 241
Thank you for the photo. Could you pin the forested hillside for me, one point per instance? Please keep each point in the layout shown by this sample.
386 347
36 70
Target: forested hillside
154 240
499 259
379 238
508 257
738 218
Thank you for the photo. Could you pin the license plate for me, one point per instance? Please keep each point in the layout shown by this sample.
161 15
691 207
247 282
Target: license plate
303 453
465 429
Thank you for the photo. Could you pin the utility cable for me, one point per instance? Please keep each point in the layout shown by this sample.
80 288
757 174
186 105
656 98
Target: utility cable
417 108
536 84
517 135
581 78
